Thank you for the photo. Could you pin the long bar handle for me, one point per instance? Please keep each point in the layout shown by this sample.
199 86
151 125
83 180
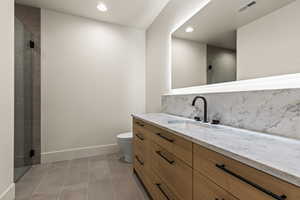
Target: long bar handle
164 137
138 159
140 124
165 158
275 196
162 191
139 136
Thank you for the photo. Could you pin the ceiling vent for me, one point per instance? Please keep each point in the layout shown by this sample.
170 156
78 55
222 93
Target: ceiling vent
248 5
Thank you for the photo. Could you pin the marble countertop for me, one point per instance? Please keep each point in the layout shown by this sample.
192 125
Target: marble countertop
275 155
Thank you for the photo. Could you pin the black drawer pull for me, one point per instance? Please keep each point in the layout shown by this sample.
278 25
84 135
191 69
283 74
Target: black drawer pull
139 136
162 191
275 196
164 137
165 158
138 159
138 123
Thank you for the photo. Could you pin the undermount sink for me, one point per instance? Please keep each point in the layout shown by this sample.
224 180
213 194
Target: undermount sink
187 124
176 121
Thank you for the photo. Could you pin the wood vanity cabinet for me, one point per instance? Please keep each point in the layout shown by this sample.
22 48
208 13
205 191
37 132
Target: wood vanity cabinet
240 180
173 168
163 161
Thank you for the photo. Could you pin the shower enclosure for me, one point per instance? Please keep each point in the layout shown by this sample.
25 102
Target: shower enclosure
23 152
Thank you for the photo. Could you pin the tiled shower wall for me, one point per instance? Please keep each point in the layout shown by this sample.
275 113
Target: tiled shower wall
274 112
31 18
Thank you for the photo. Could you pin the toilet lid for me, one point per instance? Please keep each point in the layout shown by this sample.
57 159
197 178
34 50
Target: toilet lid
125 135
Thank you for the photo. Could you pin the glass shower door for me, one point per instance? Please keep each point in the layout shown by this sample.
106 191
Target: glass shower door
23 101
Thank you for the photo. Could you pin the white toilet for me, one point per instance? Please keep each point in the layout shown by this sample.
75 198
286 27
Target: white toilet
125 144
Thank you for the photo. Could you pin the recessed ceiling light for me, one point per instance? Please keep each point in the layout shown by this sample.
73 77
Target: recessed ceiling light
189 29
102 7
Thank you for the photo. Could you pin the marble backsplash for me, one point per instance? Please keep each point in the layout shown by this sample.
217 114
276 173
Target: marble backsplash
275 112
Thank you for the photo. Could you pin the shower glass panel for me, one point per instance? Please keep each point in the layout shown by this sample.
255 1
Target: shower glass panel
23 100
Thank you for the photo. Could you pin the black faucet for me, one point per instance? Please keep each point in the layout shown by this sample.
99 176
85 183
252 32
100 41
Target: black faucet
205 108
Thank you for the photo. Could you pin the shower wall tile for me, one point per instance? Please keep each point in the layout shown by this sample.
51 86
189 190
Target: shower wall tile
274 112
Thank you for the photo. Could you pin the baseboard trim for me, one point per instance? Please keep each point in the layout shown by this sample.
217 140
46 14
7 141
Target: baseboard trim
70 154
9 193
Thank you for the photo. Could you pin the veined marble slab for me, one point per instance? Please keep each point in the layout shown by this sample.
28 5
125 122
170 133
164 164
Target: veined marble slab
275 112
275 155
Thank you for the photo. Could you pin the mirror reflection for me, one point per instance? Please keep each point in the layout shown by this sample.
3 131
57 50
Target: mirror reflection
237 40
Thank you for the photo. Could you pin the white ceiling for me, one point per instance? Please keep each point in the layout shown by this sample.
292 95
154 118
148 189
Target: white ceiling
134 13
216 24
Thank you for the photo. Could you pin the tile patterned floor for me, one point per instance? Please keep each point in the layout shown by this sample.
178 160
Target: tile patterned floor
94 178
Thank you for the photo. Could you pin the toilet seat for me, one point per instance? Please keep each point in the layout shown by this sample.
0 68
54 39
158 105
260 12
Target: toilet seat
125 144
125 136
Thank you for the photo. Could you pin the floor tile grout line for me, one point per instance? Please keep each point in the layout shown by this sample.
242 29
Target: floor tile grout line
111 175
110 178
40 182
63 184
98 163
88 181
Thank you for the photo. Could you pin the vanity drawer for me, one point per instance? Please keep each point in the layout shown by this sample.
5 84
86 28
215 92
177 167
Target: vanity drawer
142 153
205 189
139 124
180 147
244 182
159 190
139 131
175 173
145 178
139 162
140 145
138 166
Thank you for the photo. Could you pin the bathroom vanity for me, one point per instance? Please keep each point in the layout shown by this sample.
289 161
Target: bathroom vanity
180 159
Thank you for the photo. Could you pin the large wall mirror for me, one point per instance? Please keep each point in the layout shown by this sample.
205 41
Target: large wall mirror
230 40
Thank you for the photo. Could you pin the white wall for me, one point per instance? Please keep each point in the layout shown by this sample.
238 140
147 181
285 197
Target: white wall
158 54
93 78
6 98
188 63
270 45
